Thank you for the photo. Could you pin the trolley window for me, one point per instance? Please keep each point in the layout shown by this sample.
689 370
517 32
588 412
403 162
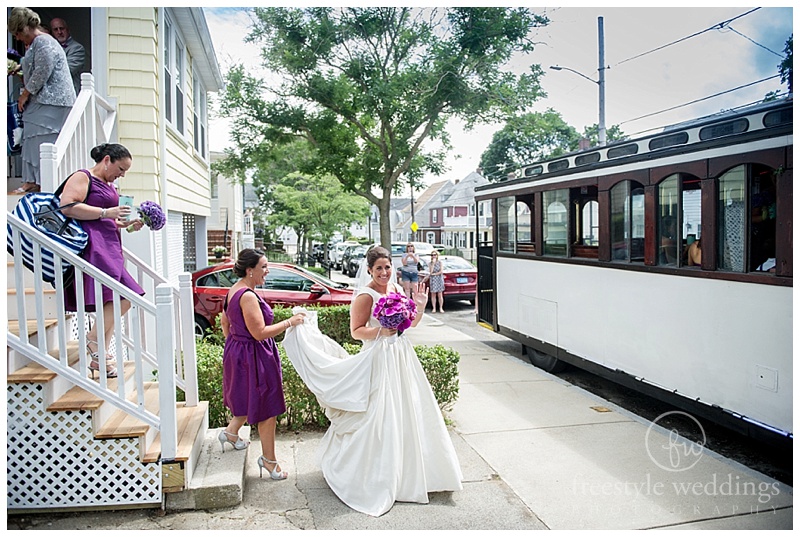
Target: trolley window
515 233
555 222
627 222
506 224
747 219
679 213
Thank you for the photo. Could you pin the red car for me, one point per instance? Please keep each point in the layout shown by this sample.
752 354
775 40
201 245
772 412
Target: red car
460 277
285 285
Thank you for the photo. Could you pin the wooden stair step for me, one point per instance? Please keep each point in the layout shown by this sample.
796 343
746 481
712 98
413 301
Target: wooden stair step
77 398
30 291
13 326
190 419
36 373
122 425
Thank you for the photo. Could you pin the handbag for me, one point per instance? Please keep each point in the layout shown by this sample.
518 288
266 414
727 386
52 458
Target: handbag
14 129
42 211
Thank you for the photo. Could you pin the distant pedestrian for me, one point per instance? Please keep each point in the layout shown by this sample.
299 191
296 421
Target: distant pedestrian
437 282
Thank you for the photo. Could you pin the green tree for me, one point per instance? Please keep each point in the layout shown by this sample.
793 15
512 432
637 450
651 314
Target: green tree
315 207
528 138
534 137
368 87
786 66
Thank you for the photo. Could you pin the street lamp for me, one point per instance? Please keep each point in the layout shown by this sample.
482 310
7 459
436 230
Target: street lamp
601 82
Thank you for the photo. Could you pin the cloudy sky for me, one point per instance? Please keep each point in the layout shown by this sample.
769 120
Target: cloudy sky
640 80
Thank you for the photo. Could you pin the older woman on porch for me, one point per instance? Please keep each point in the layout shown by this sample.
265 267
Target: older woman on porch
47 94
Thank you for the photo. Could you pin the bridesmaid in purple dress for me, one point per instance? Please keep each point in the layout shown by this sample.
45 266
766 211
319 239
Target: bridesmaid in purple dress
252 382
102 217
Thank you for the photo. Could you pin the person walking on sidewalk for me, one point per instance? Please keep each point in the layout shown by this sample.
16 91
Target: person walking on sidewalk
252 381
387 441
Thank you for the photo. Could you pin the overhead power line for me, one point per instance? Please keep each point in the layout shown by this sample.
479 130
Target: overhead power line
717 26
732 29
699 100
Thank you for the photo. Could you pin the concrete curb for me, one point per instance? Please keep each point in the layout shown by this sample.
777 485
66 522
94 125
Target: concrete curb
218 480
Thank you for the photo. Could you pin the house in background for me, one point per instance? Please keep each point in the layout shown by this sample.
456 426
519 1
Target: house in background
156 65
428 221
226 223
454 218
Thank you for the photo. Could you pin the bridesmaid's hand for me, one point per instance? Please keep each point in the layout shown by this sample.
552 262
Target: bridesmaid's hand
135 225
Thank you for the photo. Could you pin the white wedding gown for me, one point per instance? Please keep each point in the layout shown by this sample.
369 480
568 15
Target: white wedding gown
387 440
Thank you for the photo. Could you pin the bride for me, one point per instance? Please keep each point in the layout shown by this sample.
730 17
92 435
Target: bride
387 440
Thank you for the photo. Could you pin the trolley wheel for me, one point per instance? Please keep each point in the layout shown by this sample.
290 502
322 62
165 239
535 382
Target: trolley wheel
200 327
544 361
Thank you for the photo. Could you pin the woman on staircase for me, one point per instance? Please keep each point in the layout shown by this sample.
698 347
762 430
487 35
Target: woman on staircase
252 382
102 217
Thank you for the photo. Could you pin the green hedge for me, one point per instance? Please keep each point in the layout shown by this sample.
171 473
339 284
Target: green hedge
302 409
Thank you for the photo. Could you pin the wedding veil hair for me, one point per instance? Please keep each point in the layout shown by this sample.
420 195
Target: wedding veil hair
363 277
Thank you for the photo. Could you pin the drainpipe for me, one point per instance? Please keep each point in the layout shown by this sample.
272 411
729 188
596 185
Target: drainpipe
162 134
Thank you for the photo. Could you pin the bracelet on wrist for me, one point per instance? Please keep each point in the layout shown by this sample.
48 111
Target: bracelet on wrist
102 214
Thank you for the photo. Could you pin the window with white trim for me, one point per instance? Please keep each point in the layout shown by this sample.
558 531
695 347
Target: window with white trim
200 113
174 76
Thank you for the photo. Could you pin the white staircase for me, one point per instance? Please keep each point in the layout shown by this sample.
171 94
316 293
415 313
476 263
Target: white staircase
77 441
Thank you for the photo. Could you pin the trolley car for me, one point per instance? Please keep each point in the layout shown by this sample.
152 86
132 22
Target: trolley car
663 263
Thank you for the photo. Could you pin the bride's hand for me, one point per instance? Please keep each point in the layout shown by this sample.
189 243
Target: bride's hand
420 292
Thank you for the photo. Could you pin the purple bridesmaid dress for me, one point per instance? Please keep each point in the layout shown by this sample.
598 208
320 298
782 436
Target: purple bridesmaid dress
104 249
252 382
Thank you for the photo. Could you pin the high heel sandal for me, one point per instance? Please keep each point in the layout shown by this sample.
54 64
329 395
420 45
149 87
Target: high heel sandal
94 365
274 473
224 438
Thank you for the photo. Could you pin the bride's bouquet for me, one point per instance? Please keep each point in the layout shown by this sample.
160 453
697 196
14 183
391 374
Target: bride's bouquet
395 311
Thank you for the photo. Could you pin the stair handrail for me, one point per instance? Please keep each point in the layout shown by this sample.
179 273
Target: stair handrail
91 121
183 296
158 314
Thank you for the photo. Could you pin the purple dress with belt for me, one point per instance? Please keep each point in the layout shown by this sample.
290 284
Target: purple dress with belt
104 249
252 382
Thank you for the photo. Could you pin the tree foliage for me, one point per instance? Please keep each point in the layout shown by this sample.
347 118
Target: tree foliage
316 206
534 137
786 66
368 87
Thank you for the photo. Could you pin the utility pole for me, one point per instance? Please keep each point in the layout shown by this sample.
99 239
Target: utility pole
601 68
601 81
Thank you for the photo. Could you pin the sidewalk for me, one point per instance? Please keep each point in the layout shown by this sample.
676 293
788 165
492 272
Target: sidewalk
536 453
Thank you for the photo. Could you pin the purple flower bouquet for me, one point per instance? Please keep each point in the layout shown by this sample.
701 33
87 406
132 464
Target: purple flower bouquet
395 311
151 214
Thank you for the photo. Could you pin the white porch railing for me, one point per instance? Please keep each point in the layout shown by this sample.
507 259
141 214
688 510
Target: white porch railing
171 356
170 316
91 122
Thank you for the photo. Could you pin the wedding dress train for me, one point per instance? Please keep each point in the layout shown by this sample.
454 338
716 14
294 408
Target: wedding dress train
387 440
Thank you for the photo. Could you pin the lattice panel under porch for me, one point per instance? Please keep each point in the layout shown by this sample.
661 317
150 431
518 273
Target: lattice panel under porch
53 460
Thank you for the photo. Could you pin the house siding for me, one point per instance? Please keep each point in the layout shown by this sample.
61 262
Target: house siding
133 82
135 78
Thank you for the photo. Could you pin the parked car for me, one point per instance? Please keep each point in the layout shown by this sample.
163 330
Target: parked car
354 260
336 253
285 285
460 277
348 252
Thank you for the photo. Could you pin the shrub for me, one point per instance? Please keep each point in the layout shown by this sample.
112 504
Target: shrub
209 382
439 363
